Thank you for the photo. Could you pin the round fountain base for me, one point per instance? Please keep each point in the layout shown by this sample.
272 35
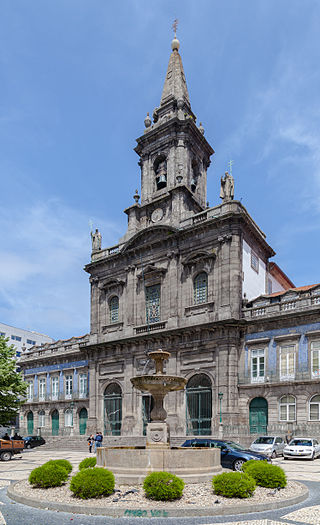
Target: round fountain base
130 466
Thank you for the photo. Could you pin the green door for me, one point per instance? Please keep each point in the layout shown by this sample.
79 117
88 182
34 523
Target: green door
258 416
30 423
83 416
55 422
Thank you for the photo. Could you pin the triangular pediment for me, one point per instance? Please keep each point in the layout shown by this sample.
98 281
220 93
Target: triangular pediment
150 236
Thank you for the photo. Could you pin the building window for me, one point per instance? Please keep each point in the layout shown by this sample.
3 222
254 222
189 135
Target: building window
41 418
68 418
18 354
315 358
287 408
287 362
114 309
54 388
153 303
314 408
83 385
269 286
254 261
29 390
68 387
16 338
30 342
2 334
200 288
257 366
112 410
42 389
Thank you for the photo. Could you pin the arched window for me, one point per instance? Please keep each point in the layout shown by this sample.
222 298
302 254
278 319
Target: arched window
200 288
41 418
114 309
314 408
112 410
287 408
199 405
68 418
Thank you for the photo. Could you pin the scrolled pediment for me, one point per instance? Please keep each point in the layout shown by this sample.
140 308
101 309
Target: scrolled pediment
106 284
199 257
151 270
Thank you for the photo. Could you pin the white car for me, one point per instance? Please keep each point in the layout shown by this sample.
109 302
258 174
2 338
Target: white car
307 448
271 446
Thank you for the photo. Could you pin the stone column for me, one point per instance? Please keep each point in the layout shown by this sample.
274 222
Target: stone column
92 416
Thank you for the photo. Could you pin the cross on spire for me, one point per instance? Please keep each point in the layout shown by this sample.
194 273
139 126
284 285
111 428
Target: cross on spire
230 166
174 27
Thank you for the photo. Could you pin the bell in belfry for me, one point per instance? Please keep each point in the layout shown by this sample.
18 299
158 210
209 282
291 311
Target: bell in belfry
193 184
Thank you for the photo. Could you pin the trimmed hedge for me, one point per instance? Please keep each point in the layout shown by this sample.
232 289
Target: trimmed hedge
64 463
265 474
163 486
88 463
92 483
234 485
48 476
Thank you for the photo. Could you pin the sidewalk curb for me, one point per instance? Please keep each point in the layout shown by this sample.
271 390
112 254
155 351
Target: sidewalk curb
116 512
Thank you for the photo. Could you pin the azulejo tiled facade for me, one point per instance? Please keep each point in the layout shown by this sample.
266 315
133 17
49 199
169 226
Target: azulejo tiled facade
196 281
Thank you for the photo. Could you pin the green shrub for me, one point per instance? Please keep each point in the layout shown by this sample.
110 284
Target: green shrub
48 476
87 463
163 486
265 474
92 483
234 485
64 463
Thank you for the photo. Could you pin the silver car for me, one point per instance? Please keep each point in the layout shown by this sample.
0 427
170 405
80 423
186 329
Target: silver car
307 448
271 446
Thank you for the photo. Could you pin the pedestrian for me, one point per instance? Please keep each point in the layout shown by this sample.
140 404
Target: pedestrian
289 436
98 441
90 442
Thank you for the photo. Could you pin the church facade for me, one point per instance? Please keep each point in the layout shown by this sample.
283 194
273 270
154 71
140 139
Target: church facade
196 281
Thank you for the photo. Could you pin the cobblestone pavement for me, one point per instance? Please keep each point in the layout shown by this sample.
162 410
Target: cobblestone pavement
307 513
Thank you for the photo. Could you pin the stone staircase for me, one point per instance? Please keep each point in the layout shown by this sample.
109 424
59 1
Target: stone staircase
66 443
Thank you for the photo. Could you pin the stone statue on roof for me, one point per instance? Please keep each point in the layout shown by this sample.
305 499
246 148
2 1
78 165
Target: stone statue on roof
96 240
227 187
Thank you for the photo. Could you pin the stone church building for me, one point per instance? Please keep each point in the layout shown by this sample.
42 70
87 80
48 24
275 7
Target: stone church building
196 281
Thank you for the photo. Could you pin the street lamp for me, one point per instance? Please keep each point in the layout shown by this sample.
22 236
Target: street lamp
220 396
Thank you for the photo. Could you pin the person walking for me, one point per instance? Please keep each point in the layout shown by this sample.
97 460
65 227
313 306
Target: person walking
98 441
90 442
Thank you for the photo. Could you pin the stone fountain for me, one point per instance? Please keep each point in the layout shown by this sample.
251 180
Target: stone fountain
131 465
158 385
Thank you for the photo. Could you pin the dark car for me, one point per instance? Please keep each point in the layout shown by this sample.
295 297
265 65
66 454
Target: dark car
232 456
33 441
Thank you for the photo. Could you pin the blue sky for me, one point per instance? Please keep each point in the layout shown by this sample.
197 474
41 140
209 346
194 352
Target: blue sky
76 80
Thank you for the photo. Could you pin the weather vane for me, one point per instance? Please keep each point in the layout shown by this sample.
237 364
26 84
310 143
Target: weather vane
230 166
174 27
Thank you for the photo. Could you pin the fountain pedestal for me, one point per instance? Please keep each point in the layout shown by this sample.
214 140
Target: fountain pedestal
157 435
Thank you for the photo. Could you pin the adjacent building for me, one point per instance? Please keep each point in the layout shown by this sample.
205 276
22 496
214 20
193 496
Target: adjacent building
22 339
194 280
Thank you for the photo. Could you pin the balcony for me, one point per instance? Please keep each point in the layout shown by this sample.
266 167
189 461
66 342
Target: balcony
275 377
47 398
267 309
151 327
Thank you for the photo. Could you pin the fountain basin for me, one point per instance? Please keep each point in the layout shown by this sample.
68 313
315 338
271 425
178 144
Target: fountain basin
156 384
130 466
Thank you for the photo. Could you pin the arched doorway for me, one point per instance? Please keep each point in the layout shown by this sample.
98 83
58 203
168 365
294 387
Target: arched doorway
30 423
83 416
258 415
112 410
199 405
55 423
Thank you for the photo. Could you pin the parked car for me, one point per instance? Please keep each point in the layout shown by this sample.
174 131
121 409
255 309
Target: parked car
233 455
33 441
307 448
271 446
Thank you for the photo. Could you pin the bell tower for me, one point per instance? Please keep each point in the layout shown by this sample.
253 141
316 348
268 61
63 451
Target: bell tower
174 157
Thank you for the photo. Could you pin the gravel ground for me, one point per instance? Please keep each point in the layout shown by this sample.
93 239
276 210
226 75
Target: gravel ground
199 494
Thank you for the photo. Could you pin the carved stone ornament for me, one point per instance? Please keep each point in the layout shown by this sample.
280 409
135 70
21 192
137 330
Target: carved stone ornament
151 269
202 257
110 283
